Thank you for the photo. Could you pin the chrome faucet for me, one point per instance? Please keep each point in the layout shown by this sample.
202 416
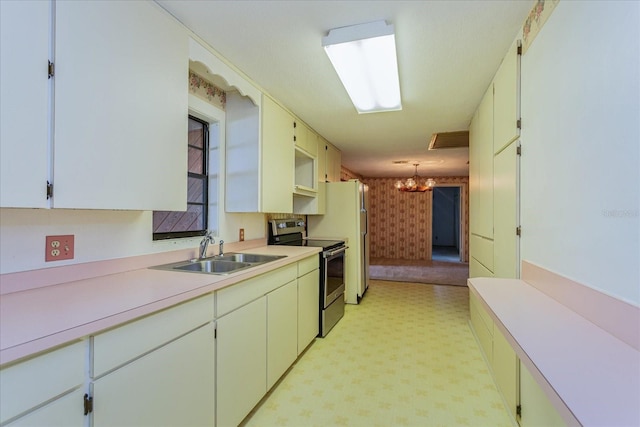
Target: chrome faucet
204 243
221 247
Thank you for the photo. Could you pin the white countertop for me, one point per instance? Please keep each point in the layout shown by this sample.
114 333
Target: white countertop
35 320
594 375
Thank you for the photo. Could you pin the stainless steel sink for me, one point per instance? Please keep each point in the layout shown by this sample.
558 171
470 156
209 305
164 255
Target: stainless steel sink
220 264
213 266
250 258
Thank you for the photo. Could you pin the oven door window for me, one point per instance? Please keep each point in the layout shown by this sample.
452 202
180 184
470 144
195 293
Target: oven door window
335 273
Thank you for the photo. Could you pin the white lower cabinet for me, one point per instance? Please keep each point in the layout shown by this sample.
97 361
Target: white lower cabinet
158 370
505 371
537 410
522 396
241 362
54 378
66 411
282 331
171 386
259 334
308 302
498 353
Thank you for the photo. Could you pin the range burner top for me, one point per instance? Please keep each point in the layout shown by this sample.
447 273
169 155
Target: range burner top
325 244
289 232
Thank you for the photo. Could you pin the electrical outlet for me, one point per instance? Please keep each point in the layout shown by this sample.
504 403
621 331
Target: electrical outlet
241 237
58 248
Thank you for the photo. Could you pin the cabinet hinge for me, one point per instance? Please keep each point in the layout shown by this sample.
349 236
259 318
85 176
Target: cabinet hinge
49 190
519 150
519 49
519 410
88 404
51 69
215 333
294 125
518 231
519 123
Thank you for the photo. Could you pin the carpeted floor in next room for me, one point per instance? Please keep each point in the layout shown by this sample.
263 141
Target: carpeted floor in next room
417 271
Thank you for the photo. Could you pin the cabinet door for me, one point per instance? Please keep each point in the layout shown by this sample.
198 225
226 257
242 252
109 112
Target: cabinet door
308 308
506 99
537 409
305 138
173 385
505 213
505 370
66 411
25 35
322 159
334 163
28 384
277 158
282 331
241 362
121 93
481 168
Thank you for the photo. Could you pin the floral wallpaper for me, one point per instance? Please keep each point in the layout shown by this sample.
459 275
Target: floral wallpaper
207 90
536 19
400 223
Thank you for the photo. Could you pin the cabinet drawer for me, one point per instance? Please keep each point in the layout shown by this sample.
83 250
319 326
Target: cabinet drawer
478 270
307 265
486 319
65 411
124 343
26 384
235 296
484 332
482 250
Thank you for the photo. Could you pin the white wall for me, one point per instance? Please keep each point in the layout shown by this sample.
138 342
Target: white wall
581 137
99 235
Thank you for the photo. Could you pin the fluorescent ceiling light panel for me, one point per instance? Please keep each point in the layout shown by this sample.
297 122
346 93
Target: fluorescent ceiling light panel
364 57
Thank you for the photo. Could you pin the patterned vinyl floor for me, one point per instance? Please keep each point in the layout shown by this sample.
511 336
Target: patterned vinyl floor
404 357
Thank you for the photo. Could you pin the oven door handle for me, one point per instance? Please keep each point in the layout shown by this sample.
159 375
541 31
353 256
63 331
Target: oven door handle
336 252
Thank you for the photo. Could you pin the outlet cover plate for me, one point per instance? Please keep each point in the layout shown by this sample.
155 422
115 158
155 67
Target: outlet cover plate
58 248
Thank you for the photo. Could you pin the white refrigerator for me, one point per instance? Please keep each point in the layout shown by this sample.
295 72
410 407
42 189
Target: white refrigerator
346 218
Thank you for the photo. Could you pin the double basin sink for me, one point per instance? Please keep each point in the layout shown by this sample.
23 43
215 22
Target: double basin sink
220 264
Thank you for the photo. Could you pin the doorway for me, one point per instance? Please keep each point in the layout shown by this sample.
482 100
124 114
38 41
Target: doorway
446 224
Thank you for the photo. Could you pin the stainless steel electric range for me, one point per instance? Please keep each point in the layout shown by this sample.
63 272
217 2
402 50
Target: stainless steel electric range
290 232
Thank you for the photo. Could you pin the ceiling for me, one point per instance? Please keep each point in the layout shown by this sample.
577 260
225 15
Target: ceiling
448 53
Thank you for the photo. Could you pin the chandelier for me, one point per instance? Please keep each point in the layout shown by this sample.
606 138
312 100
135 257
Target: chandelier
416 183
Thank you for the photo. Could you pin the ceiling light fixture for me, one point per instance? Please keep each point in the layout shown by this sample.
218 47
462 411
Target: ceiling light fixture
364 56
412 185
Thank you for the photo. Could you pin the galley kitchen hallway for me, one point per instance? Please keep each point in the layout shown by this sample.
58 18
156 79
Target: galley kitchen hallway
404 357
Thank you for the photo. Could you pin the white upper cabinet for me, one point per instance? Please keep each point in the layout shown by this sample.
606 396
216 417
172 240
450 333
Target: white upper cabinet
109 129
481 168
333 163
305 138
506 105
277 158
24 103
121 102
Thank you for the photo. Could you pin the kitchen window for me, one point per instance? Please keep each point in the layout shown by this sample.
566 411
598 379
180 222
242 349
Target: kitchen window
194 221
